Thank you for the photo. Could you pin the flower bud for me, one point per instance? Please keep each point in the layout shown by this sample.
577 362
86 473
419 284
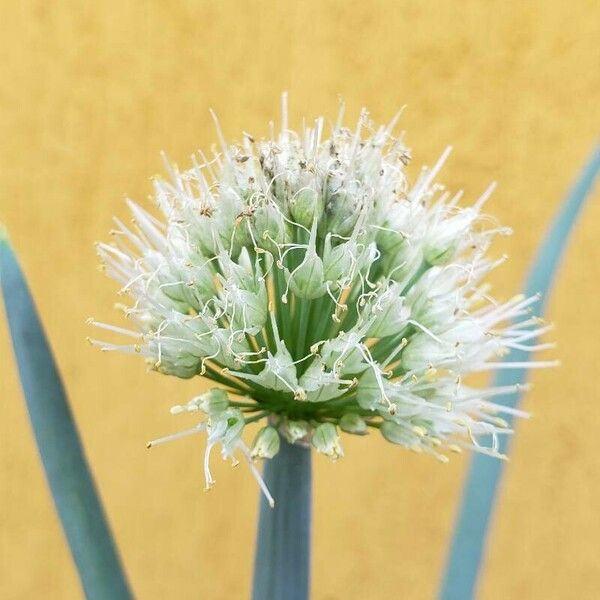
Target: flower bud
213 403
185 284
279 372
307 280
321 385
397 434
178 364
221 229
402 265
368 392
266 444
205 235
238 273
249 311
353 423
295 430
397 221
269 228
342 354
244 292
326 440
440 255
338 261
178 349
232 227
342 204
306 205
230 347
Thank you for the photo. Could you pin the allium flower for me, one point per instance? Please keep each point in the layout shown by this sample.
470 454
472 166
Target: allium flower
322 291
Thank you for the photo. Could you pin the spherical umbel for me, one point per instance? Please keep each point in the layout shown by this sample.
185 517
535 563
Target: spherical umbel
323 292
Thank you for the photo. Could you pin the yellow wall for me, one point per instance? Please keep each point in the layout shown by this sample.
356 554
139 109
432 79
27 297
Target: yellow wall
89 94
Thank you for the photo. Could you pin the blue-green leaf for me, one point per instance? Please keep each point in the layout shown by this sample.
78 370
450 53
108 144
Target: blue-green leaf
481 486
58 442
282 564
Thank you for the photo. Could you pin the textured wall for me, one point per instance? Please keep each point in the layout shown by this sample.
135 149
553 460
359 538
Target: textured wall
89 94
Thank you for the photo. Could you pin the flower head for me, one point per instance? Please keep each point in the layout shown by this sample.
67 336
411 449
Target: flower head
322 291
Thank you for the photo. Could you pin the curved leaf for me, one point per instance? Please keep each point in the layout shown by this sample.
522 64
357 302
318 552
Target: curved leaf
481 486
58 442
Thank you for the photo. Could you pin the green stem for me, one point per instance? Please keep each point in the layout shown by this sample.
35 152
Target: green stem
302 325
282 564
257 417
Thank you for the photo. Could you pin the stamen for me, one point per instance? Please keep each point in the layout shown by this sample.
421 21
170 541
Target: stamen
177 436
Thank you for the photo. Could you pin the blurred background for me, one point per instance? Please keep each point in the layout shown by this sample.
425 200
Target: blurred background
89 95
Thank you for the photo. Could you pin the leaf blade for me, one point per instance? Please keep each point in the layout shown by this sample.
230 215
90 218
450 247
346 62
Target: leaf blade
481 485
67 471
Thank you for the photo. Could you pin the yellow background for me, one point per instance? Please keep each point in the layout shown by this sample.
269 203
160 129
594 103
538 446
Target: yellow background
89 94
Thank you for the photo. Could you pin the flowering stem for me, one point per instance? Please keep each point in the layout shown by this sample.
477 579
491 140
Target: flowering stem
257 417
302 320
282 564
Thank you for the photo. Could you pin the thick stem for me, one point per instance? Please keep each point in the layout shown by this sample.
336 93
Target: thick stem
282 564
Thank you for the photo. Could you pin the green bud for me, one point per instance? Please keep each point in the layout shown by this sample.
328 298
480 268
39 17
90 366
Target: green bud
214 402
391 236
267 443
342 205
306 206
250 310
319 384
342 355
269 228
353 423
295 430
230 347
279 372
368 391
307 280
402 265
220 230
337 262
326 440
196 288
432 299
180 365
396 434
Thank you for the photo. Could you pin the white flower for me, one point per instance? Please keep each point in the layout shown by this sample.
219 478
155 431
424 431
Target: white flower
310 279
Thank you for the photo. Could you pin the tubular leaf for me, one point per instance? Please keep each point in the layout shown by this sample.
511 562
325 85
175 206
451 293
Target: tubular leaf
67 471
482 483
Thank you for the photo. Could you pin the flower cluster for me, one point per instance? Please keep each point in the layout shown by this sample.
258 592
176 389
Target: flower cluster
322 291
